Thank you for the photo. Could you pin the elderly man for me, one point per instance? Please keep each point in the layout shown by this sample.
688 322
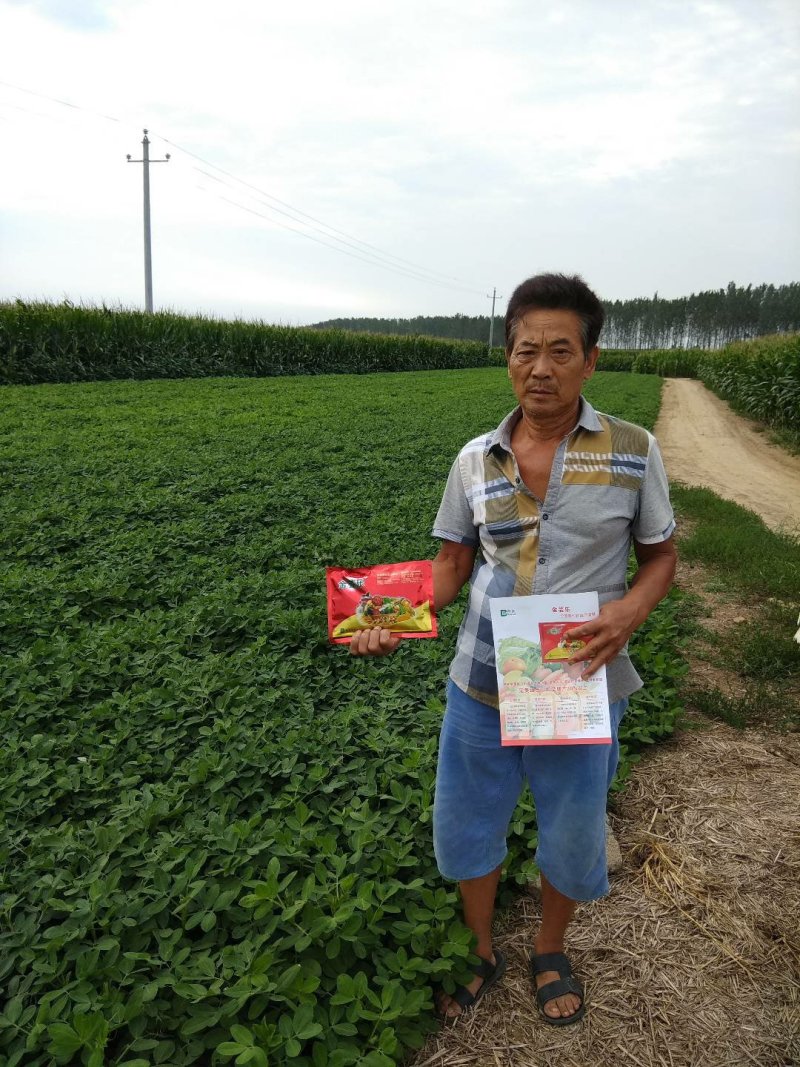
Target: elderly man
553 499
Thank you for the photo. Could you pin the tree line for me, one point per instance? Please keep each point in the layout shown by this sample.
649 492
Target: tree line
707 319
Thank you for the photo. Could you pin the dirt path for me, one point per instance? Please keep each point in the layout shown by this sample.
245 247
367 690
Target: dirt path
704 443
694 957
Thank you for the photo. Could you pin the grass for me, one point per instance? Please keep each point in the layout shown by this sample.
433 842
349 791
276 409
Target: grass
759 569
786 439
766 650
734 542
758 705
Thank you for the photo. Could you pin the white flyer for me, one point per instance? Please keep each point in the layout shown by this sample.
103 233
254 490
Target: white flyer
543 699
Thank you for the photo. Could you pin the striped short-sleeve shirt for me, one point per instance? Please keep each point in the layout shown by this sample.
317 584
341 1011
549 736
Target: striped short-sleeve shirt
607 486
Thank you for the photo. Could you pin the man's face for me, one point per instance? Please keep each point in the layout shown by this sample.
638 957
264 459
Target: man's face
546 364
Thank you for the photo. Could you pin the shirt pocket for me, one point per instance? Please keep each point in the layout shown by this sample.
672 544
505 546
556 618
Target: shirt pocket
512 529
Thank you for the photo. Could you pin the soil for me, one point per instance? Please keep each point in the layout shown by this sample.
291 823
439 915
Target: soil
693 960
705 444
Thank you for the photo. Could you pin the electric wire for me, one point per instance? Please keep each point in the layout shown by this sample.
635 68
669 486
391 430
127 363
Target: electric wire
64 103
370 254
370 262
312 218
350 244
402 272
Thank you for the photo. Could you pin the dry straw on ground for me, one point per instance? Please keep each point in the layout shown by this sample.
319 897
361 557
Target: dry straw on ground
693 960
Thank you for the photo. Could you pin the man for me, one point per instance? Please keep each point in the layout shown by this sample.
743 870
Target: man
553 498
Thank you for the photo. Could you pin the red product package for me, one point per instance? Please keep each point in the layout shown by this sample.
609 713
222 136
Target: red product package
392 596
556 642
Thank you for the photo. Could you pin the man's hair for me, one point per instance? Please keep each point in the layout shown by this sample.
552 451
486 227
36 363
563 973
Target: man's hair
568 292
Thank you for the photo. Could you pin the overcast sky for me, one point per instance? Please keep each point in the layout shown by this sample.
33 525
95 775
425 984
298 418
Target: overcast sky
646 145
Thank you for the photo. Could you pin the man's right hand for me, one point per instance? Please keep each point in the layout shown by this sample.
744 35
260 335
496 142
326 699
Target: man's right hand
375 642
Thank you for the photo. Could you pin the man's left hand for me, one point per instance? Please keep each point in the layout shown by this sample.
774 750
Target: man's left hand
606 634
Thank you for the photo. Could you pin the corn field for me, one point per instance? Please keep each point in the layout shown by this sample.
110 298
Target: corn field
42 342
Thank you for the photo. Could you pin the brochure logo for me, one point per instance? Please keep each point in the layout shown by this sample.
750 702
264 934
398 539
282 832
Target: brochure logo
506 611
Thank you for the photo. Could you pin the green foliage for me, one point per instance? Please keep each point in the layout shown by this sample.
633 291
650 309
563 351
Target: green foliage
62 343
656 650
215 844
616 360
454 327
706 319
668 363
760 378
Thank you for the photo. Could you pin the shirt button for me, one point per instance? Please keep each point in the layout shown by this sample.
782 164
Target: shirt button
545 516
542 559
518 480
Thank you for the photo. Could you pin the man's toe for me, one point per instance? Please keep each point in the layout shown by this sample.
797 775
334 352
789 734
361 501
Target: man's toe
445 1005
562 1006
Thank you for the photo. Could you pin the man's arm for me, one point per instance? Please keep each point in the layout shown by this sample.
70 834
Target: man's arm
452 567
617 620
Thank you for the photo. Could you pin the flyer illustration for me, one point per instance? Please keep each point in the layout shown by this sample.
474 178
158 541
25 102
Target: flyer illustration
543 699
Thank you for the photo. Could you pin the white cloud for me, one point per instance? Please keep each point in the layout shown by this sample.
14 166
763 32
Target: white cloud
466 136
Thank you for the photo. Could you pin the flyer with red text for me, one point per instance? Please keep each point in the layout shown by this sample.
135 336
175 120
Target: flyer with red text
543 699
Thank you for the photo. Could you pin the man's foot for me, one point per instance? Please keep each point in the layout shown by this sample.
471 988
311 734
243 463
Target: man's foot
445 1005
465 997
560 1007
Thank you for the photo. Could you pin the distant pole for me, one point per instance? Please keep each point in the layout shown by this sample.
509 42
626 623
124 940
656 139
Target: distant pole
491 320
148 255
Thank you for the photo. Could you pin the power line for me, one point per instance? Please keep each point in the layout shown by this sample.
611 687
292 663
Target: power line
358 253
375 255
64 103
370 262
303 214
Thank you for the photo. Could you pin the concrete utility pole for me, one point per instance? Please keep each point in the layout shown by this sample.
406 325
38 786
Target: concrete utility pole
491 320
148 259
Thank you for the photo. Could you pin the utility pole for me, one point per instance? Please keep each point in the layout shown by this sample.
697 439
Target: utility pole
491 320
148 258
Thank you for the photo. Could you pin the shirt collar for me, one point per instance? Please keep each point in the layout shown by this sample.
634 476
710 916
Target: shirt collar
587 420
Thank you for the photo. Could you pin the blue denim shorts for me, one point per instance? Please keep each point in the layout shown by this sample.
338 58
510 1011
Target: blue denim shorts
478 783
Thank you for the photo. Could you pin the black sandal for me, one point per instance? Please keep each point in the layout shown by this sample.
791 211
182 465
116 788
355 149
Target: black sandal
565 983
491 973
